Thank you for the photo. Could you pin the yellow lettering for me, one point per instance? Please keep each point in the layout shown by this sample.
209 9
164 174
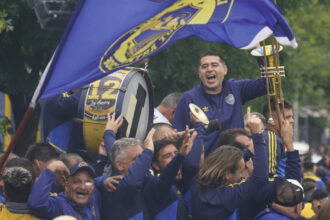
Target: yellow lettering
93 92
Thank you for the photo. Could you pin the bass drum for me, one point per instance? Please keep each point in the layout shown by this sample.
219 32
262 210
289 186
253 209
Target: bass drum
127 92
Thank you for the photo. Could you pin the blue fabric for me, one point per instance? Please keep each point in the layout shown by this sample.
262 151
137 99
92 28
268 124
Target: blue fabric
281 167
138 216
106 35
2 198
234 215
169 212
272 214
57 122
320 185
216 202
59 137
266 193
229 114
127 201
140 192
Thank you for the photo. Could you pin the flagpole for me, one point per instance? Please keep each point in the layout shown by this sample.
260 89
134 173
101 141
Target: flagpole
26 116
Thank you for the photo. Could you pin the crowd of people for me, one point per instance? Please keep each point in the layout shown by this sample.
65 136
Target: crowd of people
247 169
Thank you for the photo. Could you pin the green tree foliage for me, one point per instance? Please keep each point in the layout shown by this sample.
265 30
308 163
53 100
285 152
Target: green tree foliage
308 67
5 24
25 50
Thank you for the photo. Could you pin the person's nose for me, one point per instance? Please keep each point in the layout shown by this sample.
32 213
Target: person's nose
209 68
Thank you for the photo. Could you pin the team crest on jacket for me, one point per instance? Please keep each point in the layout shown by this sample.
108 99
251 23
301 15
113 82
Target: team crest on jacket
230 99
155 33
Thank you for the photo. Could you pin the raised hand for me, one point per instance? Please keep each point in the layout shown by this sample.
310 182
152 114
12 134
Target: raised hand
111 183
286 135
187 142
113 123
172 135
148 142
58 166
253 123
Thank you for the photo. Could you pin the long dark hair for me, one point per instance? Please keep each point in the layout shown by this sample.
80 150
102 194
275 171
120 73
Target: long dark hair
213 171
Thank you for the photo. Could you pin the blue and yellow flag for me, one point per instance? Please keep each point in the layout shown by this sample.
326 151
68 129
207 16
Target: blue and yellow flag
106 35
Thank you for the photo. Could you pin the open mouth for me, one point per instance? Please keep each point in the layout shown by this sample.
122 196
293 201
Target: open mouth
81 194
209 77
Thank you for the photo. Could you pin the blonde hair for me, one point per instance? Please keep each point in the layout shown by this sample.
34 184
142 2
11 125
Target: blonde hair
213 171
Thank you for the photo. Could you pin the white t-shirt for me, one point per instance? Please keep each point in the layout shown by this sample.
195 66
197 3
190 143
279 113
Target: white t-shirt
160 118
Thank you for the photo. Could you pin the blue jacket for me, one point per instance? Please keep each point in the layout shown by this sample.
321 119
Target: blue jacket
272 214
140 195
266 194
225 106
46 206
180 207
109 138
221 202
127 201
162 198
275 153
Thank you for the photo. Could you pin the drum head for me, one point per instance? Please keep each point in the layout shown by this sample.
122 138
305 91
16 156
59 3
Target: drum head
127 92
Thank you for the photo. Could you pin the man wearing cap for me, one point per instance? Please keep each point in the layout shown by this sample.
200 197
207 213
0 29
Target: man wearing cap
80 198
288 202
319 197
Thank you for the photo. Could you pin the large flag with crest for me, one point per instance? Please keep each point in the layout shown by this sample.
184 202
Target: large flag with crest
106 35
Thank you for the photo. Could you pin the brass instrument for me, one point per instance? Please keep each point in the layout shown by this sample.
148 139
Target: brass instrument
268 60
200 115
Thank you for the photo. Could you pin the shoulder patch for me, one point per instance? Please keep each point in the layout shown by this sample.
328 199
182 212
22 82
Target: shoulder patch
230 99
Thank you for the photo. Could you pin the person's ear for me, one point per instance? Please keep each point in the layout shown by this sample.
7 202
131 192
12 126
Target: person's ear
62 181
225 69
228 175
298 208
37 166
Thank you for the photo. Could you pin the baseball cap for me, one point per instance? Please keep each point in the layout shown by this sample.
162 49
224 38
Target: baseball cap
289 193
319 194
82 166
309 186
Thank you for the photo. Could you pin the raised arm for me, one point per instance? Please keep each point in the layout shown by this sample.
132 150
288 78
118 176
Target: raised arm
40 201
237 194
110 131
293 167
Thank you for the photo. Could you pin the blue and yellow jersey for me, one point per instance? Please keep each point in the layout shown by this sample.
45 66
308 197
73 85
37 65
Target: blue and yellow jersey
275 152
319 183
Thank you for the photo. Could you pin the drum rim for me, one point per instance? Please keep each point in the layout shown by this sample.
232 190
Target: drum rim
121 94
